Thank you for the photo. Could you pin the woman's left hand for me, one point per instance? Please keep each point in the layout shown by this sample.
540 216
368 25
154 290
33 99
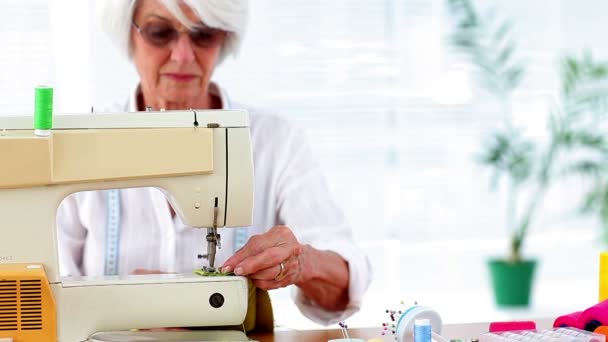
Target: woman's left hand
271 260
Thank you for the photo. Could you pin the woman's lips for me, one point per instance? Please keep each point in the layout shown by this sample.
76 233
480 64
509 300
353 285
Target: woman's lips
180 77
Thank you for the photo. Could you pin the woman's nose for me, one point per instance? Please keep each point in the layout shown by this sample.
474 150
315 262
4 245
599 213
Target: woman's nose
182 50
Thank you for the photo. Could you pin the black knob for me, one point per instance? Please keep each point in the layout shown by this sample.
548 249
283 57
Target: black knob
592 325
216 300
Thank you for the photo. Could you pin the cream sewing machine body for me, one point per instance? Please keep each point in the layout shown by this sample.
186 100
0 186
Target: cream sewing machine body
199 158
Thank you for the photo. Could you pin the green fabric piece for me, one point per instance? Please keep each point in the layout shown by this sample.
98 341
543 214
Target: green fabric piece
265 317
213 274
260 317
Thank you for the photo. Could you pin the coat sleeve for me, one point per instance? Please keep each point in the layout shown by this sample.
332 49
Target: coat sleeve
71 236
306 206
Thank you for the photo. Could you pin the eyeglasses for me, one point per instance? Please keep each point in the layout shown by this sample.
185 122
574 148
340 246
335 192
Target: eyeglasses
162 34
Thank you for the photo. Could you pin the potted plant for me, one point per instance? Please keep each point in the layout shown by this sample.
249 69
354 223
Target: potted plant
531 167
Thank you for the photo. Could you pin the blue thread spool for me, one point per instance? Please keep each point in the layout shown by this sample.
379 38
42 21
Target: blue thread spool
405 324
422 330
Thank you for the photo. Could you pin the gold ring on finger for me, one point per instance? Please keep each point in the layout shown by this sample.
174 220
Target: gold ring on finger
281 273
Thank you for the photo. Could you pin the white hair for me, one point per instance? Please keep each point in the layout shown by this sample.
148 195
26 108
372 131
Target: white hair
116 16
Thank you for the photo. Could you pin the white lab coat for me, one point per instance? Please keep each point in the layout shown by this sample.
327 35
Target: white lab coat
289 189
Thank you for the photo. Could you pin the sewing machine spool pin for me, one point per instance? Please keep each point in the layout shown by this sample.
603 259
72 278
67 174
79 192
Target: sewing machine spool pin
195 120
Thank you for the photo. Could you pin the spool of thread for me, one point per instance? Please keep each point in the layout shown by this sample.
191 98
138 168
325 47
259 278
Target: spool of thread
422 330
569 320
405 325
595 316
603 277
43 111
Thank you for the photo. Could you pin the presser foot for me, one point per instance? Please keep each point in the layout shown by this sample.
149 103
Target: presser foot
206 273
209 269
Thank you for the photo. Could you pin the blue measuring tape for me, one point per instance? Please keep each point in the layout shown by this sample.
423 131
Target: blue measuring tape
240 237
112 255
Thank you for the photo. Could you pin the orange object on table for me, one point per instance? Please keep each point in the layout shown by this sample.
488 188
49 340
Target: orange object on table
602 329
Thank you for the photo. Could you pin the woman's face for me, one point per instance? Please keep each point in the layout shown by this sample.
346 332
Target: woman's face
175 64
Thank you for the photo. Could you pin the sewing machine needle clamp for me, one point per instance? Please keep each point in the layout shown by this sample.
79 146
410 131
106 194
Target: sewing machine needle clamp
213 239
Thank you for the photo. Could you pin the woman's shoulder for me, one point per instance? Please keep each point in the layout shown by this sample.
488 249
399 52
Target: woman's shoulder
274 138
266 123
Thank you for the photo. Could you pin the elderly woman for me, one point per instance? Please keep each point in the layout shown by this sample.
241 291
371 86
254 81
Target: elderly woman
299 236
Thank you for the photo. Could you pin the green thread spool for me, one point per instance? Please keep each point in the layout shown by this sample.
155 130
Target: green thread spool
43 111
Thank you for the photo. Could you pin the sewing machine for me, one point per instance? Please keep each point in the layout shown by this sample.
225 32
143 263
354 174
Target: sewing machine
202 159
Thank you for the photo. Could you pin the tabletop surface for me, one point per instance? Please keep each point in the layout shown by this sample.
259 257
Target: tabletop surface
464 332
